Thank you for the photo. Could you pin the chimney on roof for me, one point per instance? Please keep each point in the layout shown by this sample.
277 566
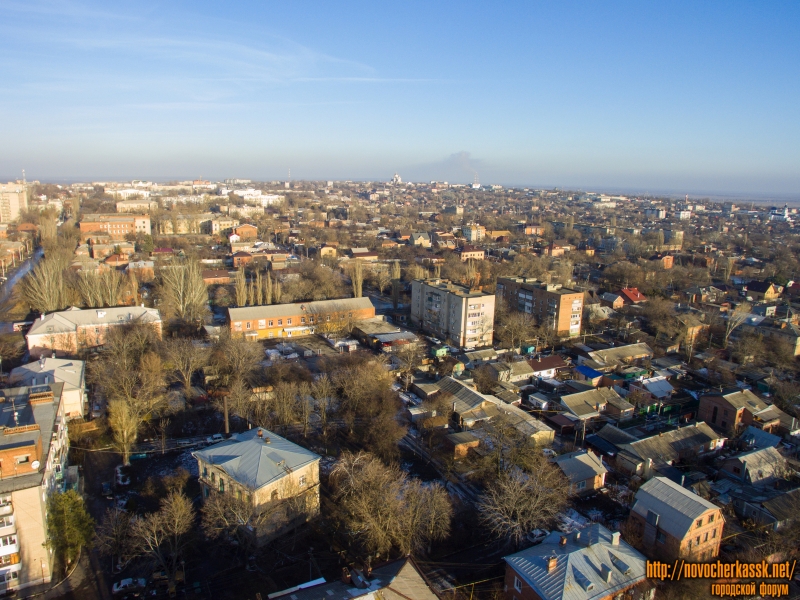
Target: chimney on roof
552 561
576 537
346 575
605 573
615 535
260 432
563 540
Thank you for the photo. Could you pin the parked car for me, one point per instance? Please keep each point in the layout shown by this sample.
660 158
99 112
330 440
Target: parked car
213 439
122 478
128 585
537 536
97 411
107 491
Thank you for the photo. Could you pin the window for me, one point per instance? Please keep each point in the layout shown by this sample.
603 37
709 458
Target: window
699 523
697 540
274 495
9 559
270 322
302 320
8 540
581 485
213 477
22 460
714 415
705 537
517 584
288 321
710 519
262 323
6 521
280 322
205 471
97 330
222 486
661 538
713 534
302 479
248 325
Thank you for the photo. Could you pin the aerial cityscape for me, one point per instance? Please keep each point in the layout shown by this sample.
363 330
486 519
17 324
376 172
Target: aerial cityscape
410 337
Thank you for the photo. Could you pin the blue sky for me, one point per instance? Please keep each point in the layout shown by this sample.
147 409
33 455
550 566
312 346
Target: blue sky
682 96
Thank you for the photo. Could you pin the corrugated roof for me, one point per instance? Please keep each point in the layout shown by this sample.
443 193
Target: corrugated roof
583 404
615 435
621 353
677 507
577 574
667 447
784 507
69 372
580 465
252 462
762 466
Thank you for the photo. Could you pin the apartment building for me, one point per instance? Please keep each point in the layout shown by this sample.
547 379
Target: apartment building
70 331
13 200
136 205
455 312
554 306
33 464
298 319
116 226
70 372
473 232
266 470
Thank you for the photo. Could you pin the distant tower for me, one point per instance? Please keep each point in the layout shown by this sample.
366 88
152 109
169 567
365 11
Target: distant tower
24 182
475 183
289 180
397 180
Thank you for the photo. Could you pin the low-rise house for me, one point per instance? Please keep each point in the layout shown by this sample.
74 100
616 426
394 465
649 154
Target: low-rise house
240 259
732 410
763 291
620 355
471 253
70 331
547 367
72 373
760 468
659 452
397 580
513 372
613 301
216 277
331 317
470 408
590 564
144 270
589 405
656 389
632 296
421 239
267 471
676 523
246 231
462 442
584 470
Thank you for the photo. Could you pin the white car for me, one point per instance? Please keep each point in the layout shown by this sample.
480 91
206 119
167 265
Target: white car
537 536
122 478
128 585
213 439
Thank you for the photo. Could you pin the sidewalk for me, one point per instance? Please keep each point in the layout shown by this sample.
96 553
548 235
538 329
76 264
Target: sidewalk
86 582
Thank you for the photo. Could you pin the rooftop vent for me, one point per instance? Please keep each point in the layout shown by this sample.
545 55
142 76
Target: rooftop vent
552 561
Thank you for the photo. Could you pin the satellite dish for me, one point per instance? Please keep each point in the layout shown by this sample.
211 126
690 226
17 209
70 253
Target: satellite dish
35 464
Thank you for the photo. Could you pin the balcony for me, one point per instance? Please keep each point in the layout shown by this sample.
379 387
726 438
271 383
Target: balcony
6 509
9 545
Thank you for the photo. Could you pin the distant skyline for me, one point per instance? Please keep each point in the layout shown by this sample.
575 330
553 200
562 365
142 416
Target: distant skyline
697 98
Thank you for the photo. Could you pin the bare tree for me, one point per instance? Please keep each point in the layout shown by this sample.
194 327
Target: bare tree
163 536
515 327
520 501
44 288
185 358
226 517
357 278
410 357
382 280
113 536
735 319
426 516
131 376
184 293
240 287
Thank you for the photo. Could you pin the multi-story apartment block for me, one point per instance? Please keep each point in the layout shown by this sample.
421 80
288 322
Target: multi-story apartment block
554 306
116 226
299 319
267 471
33 465
462 315
136 205
13 200
473 232
70 331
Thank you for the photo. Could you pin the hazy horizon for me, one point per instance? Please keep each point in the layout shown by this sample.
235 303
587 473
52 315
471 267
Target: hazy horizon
685 98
